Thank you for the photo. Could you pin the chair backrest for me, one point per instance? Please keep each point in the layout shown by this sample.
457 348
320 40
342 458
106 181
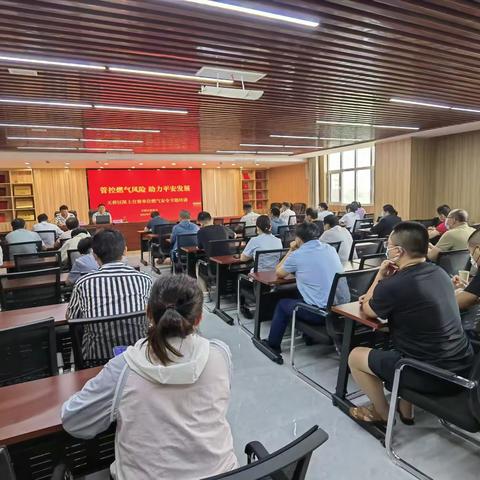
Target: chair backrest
367 247
369 216
372 261
93 339
250 231
218 221
299 208
28 352
273 255
364 223
474 394
48 237
335 245
217 248
163 229
320 226
291 219
429 222
289 463
300 217
72 255
286 234
356 281
37 261
6 467
453 261
24 247
30 289
187 240
237 227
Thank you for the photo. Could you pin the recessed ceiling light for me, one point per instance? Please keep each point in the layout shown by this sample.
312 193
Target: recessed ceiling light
424 104
20 125
47 148
65 127
27 163
47 103
68 139
138 130
356 124
133 166
178 76
67 163
461 109
256 12
299 137
173 163
235 151
164 167
275 153
57 63
141 109
257 164
218 167
141 163
203 164
106 149
233 164
105 163
190 167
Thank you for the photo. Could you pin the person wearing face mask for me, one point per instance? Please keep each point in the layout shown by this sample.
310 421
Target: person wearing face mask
418 299
468 294
456 236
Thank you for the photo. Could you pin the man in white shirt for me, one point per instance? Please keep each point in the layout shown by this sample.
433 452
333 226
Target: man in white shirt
21 235
44 225
63 215
72 244
323 211
249 217
348 220
286 212
72 223
333 232
101 212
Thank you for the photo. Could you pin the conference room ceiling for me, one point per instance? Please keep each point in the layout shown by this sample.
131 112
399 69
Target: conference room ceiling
363 53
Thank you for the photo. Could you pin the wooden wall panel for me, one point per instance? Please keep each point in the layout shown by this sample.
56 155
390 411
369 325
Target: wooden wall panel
456 172
54 187
392 176
289 183
221 189
422 184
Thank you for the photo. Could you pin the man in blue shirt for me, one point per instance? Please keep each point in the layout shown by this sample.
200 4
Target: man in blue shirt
184 227
155 219
314 265
276 220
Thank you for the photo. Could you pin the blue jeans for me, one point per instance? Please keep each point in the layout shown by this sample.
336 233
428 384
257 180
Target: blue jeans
282 316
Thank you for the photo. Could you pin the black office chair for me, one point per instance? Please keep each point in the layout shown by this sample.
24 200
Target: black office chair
237 227
300 217
93 339
299 208
373 260
293 220
49 237
454 260
28 352
429 222
185 240
6 467
367 247
37 261
289 463
245 292
346 287
250 231
286 233
72 255
218 221
48 292
359 225
458 409
22 247
320 227
160 246
335 245
369 216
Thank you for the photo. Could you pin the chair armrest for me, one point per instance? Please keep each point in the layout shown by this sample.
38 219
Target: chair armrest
61 473
203 262
446 375
255 449
311 308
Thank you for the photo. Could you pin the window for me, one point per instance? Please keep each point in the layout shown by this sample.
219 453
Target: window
350 176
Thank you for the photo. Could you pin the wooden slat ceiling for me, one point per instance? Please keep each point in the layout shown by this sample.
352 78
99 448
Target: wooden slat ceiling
363 53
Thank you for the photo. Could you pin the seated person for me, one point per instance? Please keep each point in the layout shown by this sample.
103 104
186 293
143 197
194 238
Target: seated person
208 232
349 219
263 241
183 227
275 220
171 388
456 238
336 233
102 211
314 265
62 216
468 294
361 212
21 235
287 214
115 288
155 219
44 225
323 211
84 264
77 235
441 228
418 299
385 226
249 217
71 224
311 215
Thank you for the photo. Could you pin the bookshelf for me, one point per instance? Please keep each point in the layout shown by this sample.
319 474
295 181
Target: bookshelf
16 197
255 189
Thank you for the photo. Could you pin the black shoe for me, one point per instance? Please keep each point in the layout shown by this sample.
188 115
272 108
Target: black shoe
277 350
246 313
405 420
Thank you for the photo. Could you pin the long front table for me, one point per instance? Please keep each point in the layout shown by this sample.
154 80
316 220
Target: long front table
25 316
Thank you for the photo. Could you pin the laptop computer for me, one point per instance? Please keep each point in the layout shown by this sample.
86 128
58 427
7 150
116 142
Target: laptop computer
102 219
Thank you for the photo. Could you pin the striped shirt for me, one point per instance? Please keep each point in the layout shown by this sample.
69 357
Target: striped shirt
114 289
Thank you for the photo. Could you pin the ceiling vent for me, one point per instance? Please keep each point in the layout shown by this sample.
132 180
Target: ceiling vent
230 74
239 93
23 71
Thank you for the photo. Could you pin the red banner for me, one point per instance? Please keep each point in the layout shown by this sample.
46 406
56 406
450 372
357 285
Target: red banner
131 195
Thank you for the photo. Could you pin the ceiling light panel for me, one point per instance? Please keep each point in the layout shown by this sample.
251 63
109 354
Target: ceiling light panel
141 109
47 103
66 139
355 124
55 63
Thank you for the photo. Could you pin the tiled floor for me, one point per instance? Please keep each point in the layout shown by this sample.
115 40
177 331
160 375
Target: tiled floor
271 404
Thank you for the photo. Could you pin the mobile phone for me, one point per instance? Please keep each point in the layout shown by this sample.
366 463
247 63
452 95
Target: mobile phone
119 350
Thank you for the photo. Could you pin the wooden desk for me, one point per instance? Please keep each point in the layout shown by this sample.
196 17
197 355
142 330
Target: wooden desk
25 316
30 282
225 272
353 314
128 229
32 409
193 253
271 279
10 264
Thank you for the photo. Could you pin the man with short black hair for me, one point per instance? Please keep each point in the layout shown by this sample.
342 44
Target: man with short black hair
249 217
21 235
323 210
44 225
63 215
101 212
456 237
287 214
114 289
275 220
77 235
314 265
155 219
333 233
71 224
418 299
